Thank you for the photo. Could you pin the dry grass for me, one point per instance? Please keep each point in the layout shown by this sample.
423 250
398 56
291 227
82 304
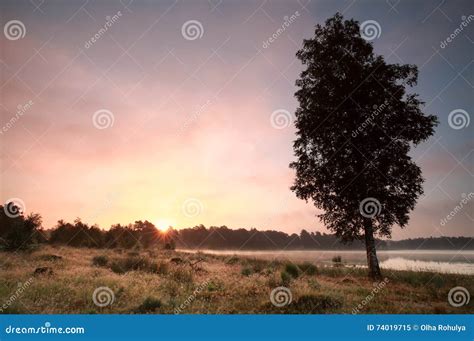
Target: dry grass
164 281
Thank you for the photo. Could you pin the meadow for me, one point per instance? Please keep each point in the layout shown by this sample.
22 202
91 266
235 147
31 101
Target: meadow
62 280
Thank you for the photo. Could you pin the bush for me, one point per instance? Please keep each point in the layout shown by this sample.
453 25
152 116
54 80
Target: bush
233 260
100 261
182 276
149 305
308 268
337 259
17 232
306 304
292 270
124 265
285 278
247 271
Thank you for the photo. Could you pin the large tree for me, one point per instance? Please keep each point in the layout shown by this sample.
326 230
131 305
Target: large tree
355 127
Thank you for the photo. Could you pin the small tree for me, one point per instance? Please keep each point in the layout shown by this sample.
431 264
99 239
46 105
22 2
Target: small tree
355 126
19 232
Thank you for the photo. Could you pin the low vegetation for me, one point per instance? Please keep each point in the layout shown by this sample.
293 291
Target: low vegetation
63 280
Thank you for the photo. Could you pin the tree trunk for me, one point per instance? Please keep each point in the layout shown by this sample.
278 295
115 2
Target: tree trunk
372 261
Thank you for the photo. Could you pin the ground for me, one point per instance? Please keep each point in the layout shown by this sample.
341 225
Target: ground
62 280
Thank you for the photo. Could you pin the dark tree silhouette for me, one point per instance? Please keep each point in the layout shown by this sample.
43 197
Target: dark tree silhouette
355 126
17 231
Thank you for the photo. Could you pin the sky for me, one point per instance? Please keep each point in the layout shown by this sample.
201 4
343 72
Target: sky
181 112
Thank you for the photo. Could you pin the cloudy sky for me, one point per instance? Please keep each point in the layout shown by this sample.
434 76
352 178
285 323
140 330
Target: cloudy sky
163 110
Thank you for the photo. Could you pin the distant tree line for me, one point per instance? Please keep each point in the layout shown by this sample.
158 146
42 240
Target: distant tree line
22 232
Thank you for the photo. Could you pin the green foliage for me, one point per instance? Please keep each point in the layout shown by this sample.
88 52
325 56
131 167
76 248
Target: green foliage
308 268
285 278
100 261
233 260
246 271
124 265
149 305
352 159
292 270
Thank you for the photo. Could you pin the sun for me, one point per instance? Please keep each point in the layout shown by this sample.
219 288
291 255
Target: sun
163 224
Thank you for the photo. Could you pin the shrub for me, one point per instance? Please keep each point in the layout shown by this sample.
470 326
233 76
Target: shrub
233 260
292 270
315 304
149 305
246 271
100 261
124 265
285 278
308 268
19 233
182 276
337 259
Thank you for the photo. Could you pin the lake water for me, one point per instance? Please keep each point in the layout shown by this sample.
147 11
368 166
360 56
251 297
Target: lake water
444 261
